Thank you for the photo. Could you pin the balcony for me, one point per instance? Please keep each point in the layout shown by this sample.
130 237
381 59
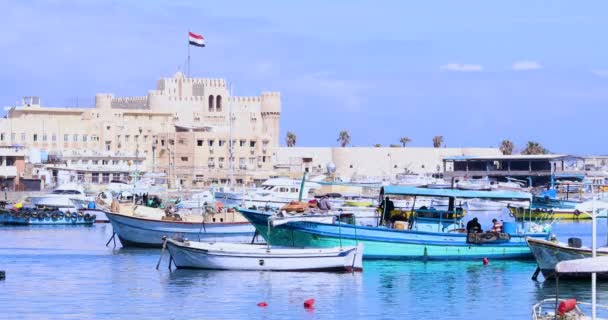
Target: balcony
8 171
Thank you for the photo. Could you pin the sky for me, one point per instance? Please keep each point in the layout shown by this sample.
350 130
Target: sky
475 72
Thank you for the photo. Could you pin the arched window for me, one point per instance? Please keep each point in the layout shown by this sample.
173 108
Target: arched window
218 104
210 102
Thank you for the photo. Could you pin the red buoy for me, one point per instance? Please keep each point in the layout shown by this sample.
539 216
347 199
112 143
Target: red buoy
309 304
486 261
262 304
565 306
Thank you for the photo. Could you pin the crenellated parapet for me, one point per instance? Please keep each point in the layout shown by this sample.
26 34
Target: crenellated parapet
271 103
140 102
103 100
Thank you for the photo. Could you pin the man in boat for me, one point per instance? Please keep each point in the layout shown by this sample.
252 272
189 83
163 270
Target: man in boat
473 226
324 204
497 225
387 206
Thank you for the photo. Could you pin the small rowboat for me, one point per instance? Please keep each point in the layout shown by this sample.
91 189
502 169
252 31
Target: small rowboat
231 256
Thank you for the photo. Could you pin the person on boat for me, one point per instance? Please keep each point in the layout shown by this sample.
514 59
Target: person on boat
324 204
496 225
387 206
473 226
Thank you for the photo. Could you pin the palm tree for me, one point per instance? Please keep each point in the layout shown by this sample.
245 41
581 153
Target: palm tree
506 147
534 147
344 138
437 141
291 139
404 141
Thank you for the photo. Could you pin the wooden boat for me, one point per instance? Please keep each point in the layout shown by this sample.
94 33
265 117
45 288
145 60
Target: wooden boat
229 256
145 227
545 208
549 253
429 239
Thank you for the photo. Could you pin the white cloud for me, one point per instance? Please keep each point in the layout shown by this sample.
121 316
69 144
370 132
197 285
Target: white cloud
461 67
525 65
600 72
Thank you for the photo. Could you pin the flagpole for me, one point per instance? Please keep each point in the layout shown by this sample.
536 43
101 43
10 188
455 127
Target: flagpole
188 67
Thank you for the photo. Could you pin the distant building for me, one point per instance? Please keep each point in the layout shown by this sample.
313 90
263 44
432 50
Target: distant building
182 128
536 169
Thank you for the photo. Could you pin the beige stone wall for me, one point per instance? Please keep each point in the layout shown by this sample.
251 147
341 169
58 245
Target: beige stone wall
371 161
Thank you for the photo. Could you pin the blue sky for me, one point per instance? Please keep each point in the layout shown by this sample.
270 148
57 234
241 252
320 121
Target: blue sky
475 72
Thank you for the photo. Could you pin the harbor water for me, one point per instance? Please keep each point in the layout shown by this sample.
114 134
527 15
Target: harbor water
66 272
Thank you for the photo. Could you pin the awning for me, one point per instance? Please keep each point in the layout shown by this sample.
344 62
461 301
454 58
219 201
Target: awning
455 193
587 265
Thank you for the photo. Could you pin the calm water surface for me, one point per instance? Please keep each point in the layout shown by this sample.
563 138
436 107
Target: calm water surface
68 273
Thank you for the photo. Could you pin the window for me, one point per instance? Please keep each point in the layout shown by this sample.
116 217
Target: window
1 136
35 137
104 162
242 143
106 177
115 162
252 143
211 103
12 137
65 137
44 137
127 138
199 143
162 143
54 137
84 138
75 138
222 143
172 142
22 136
95 177
145 139
211 143
218 105
252 161
293 190
282 189
95 162
184 159
181 141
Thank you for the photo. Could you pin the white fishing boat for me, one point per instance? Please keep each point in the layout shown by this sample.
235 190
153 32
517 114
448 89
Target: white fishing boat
65 196
229 256
197 200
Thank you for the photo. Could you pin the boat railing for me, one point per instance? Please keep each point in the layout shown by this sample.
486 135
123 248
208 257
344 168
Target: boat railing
545 310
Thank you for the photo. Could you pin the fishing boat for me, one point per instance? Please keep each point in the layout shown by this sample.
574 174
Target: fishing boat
547 208
438 237
37 216
145 227
549 253
230 256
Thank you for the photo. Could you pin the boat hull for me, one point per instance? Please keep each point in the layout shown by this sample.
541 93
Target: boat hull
384 243
548 214
148 233
255 257
548 254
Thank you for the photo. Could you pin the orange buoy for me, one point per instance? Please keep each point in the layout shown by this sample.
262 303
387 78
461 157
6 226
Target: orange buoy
309 304
486 261
262 304
565 306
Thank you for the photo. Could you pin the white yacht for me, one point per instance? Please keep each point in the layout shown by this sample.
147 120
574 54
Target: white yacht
274 192
65 196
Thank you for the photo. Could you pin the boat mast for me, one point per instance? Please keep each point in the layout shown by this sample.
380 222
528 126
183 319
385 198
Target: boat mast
230 143
593 254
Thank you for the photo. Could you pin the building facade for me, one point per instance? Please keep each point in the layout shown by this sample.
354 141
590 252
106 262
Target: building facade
182 128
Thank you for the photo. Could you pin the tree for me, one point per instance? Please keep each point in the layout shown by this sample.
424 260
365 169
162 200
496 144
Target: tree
291 139
506 147
404 141
344 138
437 141
534 147
377 145
395 145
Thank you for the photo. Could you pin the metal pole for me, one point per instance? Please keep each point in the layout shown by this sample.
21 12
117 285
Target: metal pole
593 252
188 66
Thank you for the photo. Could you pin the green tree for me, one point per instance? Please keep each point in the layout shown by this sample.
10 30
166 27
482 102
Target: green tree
291 139
506 147
534 147
344 138
437 141
404 141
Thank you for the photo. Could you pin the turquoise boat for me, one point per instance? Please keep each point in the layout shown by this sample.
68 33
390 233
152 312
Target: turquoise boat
383 242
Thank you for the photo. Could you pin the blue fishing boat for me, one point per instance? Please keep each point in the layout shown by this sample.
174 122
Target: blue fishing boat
35 216
437 237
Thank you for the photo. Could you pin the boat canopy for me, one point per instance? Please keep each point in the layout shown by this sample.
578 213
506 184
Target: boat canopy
455 193
587 265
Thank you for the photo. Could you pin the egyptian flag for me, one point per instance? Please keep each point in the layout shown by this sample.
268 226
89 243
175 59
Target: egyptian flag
196 39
